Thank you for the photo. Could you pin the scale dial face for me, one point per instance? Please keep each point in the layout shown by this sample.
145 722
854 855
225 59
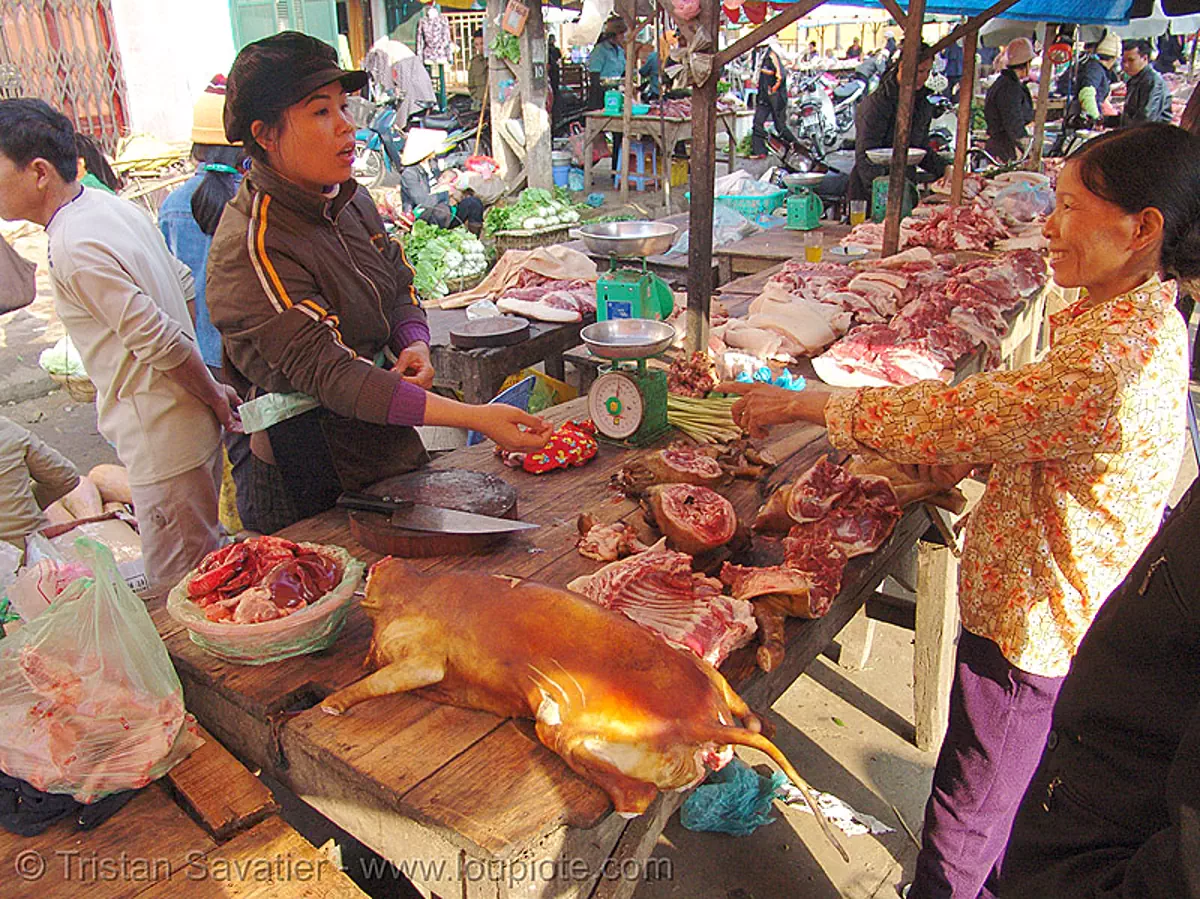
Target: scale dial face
616 405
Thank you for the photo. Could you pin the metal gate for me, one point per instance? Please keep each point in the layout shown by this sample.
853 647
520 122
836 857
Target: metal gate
65 52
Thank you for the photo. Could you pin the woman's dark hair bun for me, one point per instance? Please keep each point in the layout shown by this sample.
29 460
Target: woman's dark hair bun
1151 165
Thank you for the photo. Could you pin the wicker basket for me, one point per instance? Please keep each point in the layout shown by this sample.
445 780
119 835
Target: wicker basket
530 240
80 389
458 285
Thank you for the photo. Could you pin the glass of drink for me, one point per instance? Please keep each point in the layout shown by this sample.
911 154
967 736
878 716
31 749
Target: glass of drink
858 212
814 246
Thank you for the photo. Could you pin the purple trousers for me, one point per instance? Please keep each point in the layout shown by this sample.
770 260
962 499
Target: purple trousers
999 720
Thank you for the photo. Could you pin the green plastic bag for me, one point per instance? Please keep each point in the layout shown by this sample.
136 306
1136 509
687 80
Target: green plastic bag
735 800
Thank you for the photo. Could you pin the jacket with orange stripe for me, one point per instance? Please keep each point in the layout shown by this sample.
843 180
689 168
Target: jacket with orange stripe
306 290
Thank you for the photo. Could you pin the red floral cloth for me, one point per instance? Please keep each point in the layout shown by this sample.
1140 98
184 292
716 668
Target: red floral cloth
574 443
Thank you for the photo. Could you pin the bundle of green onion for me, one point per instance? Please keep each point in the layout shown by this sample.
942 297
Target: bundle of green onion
707 420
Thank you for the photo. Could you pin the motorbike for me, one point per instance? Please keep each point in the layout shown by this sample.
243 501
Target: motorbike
824 114
379 144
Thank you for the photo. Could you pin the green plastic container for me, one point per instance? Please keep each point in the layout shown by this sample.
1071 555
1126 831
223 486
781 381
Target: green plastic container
641 109
754 205
614 102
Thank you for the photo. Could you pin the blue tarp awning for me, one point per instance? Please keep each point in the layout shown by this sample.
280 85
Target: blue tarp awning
1080 12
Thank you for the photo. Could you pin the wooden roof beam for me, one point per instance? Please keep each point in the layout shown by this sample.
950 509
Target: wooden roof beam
775 25
972 24
896 12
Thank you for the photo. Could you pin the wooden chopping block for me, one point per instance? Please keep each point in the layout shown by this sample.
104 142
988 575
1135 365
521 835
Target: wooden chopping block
464 491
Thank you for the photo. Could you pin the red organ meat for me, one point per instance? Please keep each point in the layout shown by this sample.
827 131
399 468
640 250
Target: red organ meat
659 590
816 491
677 464
693 519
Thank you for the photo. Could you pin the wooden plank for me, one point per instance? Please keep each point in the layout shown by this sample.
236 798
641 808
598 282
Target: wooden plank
966 90
935 641
703 177
909 59
894 10
271 861
539 792
1042 109
775 25
531 82
635 847
627 110
219 791
147 842
974 23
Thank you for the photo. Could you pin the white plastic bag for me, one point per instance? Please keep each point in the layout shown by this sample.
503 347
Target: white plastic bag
62 359
89 701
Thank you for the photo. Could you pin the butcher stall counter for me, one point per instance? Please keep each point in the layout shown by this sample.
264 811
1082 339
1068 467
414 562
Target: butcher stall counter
770 247
468 804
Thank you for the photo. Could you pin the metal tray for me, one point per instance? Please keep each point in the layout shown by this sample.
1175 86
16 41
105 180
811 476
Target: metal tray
628 239
628 338
884 156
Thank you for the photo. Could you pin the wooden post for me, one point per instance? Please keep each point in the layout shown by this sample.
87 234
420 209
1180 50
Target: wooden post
1043 102
627 112
904 113
498 72
531 81
934 641
966 96
700 215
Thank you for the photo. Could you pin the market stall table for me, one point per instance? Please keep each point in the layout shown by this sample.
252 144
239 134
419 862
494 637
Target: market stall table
479 373
651 126
767 248
208 828
458 790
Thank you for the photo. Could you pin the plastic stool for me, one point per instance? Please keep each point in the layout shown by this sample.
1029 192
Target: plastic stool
641 175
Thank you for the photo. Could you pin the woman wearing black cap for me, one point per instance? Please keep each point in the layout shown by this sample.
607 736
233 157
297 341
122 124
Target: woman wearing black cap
321 329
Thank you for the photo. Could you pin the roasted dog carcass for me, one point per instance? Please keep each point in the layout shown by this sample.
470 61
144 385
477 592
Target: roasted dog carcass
622 708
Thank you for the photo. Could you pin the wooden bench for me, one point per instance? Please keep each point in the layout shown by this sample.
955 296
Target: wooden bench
208 828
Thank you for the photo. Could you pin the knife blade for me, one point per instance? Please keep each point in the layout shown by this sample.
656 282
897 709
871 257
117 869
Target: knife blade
434 519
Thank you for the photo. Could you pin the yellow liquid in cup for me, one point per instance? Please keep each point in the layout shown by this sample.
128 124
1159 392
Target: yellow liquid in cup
857 218
814 254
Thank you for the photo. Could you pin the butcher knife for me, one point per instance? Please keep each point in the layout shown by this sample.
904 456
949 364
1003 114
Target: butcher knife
434 519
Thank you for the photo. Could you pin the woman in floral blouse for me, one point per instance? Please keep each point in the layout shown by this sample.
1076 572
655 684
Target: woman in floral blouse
1083 445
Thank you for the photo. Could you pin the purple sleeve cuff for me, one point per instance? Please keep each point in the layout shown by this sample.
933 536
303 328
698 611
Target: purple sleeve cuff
409 332
407 406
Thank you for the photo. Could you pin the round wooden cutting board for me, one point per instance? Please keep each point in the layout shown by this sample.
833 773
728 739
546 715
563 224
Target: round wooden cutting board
464 491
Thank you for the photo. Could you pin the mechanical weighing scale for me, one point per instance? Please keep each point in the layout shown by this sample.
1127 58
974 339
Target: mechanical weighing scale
804 207
628 401
879 187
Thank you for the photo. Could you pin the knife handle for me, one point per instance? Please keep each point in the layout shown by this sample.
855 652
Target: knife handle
364 502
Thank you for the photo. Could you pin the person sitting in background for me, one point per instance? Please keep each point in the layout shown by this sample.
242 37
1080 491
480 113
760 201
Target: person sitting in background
428 192
1147 98
854 51
1170 51
32 476
94 170
875 126
477 71
812 54
1113 808
1008 107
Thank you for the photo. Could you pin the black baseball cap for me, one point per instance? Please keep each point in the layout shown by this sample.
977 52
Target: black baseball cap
271 74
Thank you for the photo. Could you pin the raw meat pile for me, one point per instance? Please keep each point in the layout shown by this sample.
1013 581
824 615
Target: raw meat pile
536 296
659 590
260 580
967 227
672 109
693 376
830 515
944 317
677 464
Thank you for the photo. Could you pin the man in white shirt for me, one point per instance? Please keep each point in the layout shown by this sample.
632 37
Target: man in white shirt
124 299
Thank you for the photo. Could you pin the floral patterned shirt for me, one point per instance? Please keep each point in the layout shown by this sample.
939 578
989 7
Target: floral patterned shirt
1085 446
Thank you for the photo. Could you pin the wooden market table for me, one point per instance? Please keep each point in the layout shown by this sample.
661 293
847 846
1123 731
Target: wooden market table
445 791
478 374
208 828
651 126
770 247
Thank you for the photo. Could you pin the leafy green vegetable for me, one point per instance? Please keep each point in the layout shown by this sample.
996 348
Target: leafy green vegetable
534 209
439 256
507 46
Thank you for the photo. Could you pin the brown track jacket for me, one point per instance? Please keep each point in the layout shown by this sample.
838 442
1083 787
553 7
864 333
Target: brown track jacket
306 290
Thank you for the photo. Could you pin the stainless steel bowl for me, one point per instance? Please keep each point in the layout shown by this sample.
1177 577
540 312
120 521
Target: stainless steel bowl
628 338
803 179
884 156
629 239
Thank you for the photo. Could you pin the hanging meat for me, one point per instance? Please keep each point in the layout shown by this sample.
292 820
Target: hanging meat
693 519
659 590
622 710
